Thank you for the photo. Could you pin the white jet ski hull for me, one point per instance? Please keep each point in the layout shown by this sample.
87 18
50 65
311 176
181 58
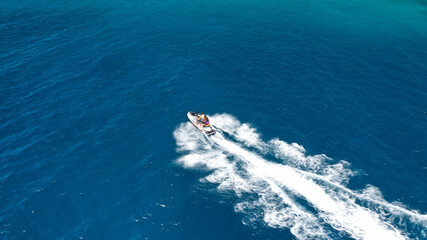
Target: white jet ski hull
206 130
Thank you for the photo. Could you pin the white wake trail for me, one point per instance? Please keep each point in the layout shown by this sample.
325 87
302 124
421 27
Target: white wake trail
359 222
277 189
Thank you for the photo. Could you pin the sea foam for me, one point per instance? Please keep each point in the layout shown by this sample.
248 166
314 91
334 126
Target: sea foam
306 194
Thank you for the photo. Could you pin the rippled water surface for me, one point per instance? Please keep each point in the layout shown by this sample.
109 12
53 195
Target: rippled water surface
321 110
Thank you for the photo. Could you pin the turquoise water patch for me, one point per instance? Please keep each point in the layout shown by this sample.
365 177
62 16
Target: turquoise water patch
94 136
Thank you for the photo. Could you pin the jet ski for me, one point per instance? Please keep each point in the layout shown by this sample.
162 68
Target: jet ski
205 127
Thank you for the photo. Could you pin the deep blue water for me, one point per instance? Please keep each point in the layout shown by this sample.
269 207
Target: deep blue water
91 93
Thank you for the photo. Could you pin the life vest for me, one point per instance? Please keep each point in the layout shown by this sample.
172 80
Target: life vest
206 123
204 120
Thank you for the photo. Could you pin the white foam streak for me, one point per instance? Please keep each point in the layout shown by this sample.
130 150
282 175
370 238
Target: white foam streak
276 189
359 222
242 132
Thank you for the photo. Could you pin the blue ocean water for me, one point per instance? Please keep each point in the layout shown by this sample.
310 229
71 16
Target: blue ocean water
95 142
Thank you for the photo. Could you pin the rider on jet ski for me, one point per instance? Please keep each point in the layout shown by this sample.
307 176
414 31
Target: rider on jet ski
203 120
